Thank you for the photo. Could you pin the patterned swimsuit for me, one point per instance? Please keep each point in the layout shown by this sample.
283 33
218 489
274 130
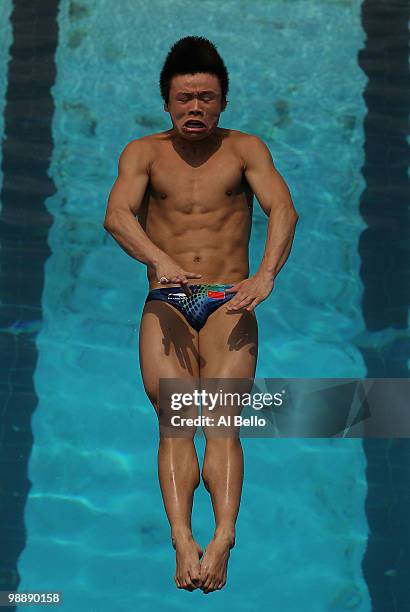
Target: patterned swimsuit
196 308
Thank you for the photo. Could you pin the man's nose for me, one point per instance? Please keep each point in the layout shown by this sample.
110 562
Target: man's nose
195 106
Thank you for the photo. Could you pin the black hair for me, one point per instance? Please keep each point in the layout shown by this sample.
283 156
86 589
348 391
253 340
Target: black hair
189 55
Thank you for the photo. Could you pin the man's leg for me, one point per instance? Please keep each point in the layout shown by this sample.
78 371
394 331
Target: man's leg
168 348
228 346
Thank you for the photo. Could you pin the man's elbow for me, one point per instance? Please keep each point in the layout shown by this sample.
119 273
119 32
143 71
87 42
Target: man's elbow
293 212
108 221
108 225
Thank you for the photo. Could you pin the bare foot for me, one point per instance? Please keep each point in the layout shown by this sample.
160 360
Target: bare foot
215 561
187 575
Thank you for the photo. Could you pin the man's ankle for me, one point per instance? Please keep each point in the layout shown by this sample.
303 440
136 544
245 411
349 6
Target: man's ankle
227 532
181 532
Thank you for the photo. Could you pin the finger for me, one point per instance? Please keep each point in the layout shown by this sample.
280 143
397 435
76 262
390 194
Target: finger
240 303
184 283
234 303
255 302
231 304
246 301
192 274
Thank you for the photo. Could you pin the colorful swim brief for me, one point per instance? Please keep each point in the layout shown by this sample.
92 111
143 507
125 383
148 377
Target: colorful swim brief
196 308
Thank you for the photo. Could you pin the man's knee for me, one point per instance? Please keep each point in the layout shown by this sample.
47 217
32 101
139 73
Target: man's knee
152 391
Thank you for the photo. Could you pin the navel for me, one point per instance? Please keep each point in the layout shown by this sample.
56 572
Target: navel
197 258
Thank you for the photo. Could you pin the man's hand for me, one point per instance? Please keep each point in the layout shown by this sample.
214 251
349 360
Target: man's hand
250 292
169 269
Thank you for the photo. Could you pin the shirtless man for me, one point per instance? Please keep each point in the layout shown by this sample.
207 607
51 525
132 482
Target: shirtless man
192 188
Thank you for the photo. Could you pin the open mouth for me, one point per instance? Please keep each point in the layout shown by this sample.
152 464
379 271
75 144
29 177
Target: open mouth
194 125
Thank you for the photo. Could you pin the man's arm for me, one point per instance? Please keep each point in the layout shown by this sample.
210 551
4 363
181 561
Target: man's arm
124 203
274 197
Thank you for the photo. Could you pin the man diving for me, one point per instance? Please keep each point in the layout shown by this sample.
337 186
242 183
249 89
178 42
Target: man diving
192 189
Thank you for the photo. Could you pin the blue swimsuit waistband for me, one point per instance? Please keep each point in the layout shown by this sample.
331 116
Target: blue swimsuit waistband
194 288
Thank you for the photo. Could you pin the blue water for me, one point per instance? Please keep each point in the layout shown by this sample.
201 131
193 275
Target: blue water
96 528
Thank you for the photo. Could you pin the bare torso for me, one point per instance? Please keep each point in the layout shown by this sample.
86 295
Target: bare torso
198 208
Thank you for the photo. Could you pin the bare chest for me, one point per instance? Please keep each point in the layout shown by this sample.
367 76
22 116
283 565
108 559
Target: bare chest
202 184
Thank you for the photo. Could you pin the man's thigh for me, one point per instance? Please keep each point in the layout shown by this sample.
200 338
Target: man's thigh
168 347
228 345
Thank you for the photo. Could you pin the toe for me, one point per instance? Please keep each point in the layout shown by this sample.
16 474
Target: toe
196 581
207 584
193 583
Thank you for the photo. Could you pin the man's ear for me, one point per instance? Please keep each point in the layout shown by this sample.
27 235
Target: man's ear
224 105
166 107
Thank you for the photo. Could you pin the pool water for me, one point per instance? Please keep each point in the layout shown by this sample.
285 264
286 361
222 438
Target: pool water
95 524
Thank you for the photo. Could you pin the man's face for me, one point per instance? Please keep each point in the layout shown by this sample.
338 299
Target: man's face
195 97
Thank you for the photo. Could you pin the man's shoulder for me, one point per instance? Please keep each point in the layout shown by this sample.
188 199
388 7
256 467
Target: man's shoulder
246 142
245 138
143 142
247 145
140 149
154 137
